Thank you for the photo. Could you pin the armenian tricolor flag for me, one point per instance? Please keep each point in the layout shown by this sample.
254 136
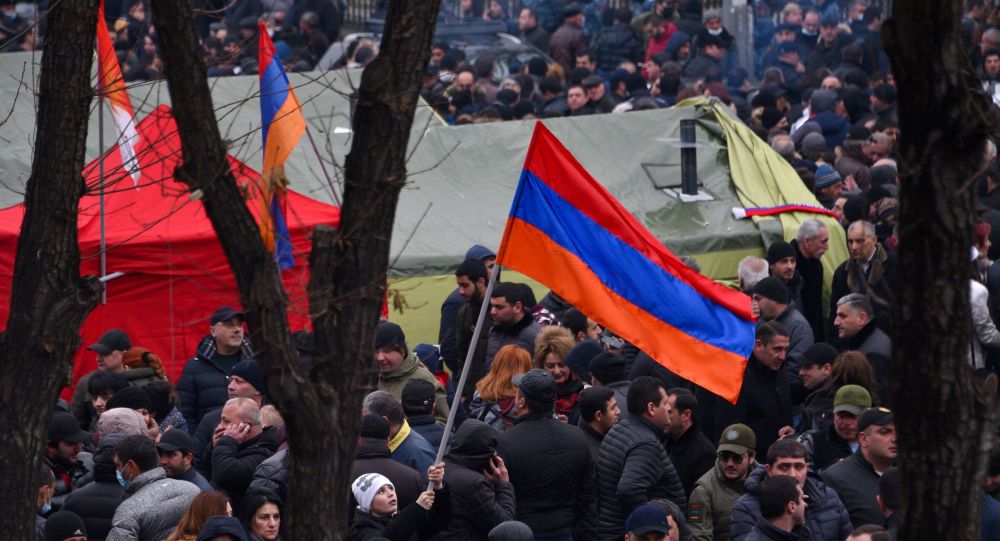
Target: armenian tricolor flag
282 126
566 231
111 86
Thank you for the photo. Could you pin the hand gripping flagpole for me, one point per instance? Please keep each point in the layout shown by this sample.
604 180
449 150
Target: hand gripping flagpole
465 368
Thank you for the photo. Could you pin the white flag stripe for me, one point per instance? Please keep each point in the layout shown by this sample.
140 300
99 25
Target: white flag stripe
127 137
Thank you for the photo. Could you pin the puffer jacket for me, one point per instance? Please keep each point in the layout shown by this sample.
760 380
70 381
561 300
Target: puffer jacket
618 42
96 502
553 475
203 383
412 368
632 469
272 474
479 504
234 463
154 506
826 517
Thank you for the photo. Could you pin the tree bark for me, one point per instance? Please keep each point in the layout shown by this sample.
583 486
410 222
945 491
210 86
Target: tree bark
348 267
49 300
945 415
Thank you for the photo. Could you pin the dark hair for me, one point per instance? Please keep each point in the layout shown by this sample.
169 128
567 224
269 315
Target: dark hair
550 85
539 406
484 66
587 53
785 448
253 501
642 391
670 83
890 487
685 401
385 405
593 400
575 321
102 381
623 15
138 449
775 493
635 81
473 268
769 329
874 531
510 291
448 62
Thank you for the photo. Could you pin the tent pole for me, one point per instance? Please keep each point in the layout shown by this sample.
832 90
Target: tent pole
329 181
460 387
100 166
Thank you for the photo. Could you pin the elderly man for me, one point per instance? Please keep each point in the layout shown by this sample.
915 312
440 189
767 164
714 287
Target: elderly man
811 242
202 386
858 330
871 271
240 443
398 365
752 269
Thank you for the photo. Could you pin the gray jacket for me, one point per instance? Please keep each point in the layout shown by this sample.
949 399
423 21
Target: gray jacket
800 334
154 506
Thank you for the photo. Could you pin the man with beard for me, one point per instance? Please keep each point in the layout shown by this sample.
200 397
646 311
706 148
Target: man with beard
471 278
718 489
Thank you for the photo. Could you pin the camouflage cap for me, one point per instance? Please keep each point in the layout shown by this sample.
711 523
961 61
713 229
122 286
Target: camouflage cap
853 399
738 438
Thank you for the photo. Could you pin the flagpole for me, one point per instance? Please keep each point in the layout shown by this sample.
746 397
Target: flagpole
329 181
100 168
465 367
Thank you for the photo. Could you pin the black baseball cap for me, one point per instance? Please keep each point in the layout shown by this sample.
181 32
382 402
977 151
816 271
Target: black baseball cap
417 395
225 313
647 518
176 440
64 427
536 384
874 416
113 340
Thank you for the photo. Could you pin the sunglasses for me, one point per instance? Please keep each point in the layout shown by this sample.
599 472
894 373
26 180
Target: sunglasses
726 456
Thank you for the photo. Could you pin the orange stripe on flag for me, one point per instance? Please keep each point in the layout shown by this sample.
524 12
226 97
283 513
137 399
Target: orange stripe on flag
284 133
717 368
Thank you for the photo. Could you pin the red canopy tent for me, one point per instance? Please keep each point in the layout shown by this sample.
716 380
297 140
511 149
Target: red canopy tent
175 272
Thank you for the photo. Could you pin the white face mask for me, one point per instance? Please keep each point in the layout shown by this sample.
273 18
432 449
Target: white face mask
716 32
810 34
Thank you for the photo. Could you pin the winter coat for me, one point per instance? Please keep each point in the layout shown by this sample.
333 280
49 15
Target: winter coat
411 449
203 441
272 474
834 128
465 327
499 415
70 478
372 456
764 404
850 166
521 334
203 383
701 66
826 517
711 503
411 368
985 331
616 43
594 439
824 447
552 473
478 504
878 284
692 454
877 347
192 476
566 43
538 37
154 506
765 531
426 426
856 482
411 523
96 502
817 409
82 406
800 334
446 329
632 469
811 294
233 463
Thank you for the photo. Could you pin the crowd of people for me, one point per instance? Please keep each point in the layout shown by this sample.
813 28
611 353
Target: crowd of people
563 430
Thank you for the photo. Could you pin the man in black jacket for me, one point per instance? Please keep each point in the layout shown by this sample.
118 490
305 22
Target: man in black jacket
827 446
96 502
633 466
856 478
618 42
811 242
418 406
240 444
765 402
599 413
549 463
245 381
687 446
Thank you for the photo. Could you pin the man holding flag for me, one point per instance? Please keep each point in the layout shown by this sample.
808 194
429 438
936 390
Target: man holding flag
282 125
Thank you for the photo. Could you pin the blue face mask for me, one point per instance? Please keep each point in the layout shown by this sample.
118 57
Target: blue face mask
121 479
45 508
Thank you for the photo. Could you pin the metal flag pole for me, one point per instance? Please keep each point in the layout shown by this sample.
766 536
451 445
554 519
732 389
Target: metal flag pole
465 368
329 181
100 169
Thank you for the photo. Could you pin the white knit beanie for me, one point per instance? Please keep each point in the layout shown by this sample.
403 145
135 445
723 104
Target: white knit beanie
366 486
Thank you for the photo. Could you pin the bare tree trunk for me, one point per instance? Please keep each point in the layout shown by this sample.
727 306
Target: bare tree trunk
348 268
49 300
945 415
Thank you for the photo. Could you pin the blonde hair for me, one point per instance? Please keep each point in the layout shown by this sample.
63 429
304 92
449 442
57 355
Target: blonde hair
555 340
271 417
556 70
510 361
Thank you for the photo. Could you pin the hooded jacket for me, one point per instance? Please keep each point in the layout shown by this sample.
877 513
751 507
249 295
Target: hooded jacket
411 368
711 504
826 517
154 506
478 504
632 469
203 383
96 502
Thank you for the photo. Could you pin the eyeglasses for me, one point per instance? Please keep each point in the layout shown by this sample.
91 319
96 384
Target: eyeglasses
726 456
